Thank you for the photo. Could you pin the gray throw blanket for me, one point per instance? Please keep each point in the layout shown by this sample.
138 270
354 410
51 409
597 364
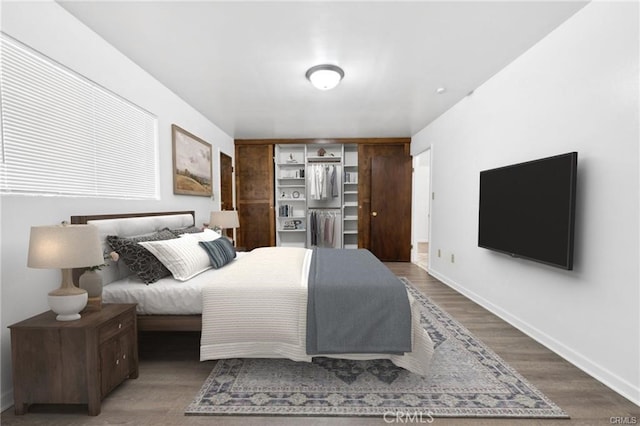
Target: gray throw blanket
355 305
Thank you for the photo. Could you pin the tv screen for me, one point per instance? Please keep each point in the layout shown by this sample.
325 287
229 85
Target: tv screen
527 210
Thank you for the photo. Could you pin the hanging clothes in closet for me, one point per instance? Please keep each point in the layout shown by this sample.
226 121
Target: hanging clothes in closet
324 228
323 182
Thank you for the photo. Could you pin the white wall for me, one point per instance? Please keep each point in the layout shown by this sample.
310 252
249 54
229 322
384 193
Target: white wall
48 28
576 90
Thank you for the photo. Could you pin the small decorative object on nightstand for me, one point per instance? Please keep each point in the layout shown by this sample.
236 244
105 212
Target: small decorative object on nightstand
91 281
75 362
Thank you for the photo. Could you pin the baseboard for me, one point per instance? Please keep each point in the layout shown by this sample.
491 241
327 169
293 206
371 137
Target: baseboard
603 375
6 401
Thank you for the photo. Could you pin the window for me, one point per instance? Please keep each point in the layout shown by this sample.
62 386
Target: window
63 134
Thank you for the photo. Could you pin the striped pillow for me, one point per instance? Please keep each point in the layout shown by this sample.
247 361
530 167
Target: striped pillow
220 251
182 256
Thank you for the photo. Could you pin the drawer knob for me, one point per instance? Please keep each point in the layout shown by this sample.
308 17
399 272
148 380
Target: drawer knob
117 361
119 325
124 356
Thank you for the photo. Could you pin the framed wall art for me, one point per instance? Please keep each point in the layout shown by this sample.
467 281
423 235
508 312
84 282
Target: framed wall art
192 166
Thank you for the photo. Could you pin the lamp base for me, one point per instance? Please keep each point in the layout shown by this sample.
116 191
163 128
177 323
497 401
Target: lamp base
68 306
71 317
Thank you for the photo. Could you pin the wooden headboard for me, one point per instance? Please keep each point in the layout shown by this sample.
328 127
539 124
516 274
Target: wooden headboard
82 220
149 322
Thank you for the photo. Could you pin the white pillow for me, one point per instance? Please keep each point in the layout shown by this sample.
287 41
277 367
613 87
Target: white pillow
206 235
182 256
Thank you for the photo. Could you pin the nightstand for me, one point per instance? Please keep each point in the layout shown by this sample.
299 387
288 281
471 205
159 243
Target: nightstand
73 362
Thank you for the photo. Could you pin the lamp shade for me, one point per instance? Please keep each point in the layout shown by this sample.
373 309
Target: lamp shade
64 246
224 219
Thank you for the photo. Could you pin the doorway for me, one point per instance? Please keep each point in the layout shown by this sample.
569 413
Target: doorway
421 208
226 182
226 187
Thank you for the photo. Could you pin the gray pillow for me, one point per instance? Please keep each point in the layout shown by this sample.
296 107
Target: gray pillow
140 260
220 251
188 230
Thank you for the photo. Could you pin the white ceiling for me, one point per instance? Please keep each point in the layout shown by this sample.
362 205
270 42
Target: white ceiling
242 64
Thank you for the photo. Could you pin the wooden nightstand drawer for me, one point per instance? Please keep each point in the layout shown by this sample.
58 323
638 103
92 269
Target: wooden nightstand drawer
73 362
115 326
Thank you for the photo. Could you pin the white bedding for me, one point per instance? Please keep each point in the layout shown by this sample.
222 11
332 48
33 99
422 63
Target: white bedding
164 297
257 309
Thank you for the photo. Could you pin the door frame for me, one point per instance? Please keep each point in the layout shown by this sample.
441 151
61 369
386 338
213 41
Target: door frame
231 205
415 196
228 179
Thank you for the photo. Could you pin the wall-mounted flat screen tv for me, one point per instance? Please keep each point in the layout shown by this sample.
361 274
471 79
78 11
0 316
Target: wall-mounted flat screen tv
527 210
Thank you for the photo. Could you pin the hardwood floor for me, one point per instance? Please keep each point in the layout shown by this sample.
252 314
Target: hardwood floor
423 255
170 376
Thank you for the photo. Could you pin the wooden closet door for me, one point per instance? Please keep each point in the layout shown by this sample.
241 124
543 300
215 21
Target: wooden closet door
254 196
366 153
226 187
390 208
226 179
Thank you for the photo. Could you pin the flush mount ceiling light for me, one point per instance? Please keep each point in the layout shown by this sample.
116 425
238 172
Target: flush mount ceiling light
325 77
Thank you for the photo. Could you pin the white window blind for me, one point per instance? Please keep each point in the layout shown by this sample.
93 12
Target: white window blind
63 134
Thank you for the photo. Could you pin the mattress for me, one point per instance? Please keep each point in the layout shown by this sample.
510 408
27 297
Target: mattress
167 296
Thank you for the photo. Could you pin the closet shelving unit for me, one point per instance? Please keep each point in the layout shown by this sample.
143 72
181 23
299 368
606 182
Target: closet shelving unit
350 197
294 204
291 202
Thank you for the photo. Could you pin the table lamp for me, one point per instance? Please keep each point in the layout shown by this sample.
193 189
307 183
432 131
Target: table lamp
224 219
65 246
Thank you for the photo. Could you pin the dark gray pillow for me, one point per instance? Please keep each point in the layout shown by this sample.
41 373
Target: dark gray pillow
140 260
188 230
220 251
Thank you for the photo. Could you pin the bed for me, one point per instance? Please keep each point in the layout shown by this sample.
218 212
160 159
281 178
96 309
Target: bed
261 304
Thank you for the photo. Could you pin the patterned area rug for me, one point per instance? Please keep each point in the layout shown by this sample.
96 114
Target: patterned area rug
467 379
